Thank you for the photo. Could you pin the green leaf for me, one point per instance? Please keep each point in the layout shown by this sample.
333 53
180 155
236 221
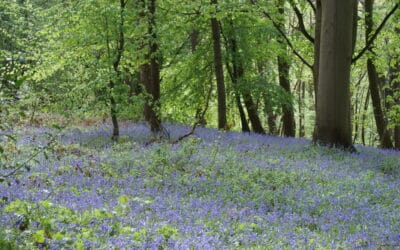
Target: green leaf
39 236
123 199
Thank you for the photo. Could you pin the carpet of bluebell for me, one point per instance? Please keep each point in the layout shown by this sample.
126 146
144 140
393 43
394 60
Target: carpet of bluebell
213 190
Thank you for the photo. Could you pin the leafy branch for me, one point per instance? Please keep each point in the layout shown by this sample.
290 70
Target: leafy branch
285 37
375 35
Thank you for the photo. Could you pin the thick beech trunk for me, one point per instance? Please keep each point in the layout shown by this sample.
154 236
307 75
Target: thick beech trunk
333 106
219 71
374 84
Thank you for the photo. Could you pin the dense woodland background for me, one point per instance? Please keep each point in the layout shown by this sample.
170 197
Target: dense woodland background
300 68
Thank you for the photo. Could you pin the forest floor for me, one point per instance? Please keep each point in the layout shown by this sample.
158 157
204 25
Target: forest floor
213 190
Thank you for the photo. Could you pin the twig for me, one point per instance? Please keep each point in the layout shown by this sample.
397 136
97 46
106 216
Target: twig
21 165
199 118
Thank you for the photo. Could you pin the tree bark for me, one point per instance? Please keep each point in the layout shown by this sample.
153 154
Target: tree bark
194 40
233 73
301 92
364 117
219 71
394 73
116 63
317 45
238 73
333 106
150 71
289 128
374 83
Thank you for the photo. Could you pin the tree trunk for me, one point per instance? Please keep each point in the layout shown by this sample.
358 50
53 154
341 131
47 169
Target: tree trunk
268 109
243 120
333 106
394 78
238 73
374 85
397 137
317 48
289 128
364 117
150 72
194 40
301 92
116 63
317 44
271 118
219 72
233 73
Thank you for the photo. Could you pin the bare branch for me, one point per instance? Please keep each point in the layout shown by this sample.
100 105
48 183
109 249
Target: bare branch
302 27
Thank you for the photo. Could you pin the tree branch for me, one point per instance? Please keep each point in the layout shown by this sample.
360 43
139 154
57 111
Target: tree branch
302 27
199 117
312 6
289 43
375 35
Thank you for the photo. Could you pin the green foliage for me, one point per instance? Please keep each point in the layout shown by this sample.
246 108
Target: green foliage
391 166
167 231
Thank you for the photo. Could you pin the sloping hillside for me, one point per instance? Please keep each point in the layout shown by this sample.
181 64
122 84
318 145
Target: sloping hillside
213 190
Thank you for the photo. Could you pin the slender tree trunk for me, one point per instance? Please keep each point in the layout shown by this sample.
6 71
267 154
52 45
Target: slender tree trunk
364 117
150 71
356 124
289 128
301 91
234 77
394 73
194 40
253 114
317 45
303 98
116 63
397 137
271 117
219 71
242 114
238 73
333 106
374 85
268 109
